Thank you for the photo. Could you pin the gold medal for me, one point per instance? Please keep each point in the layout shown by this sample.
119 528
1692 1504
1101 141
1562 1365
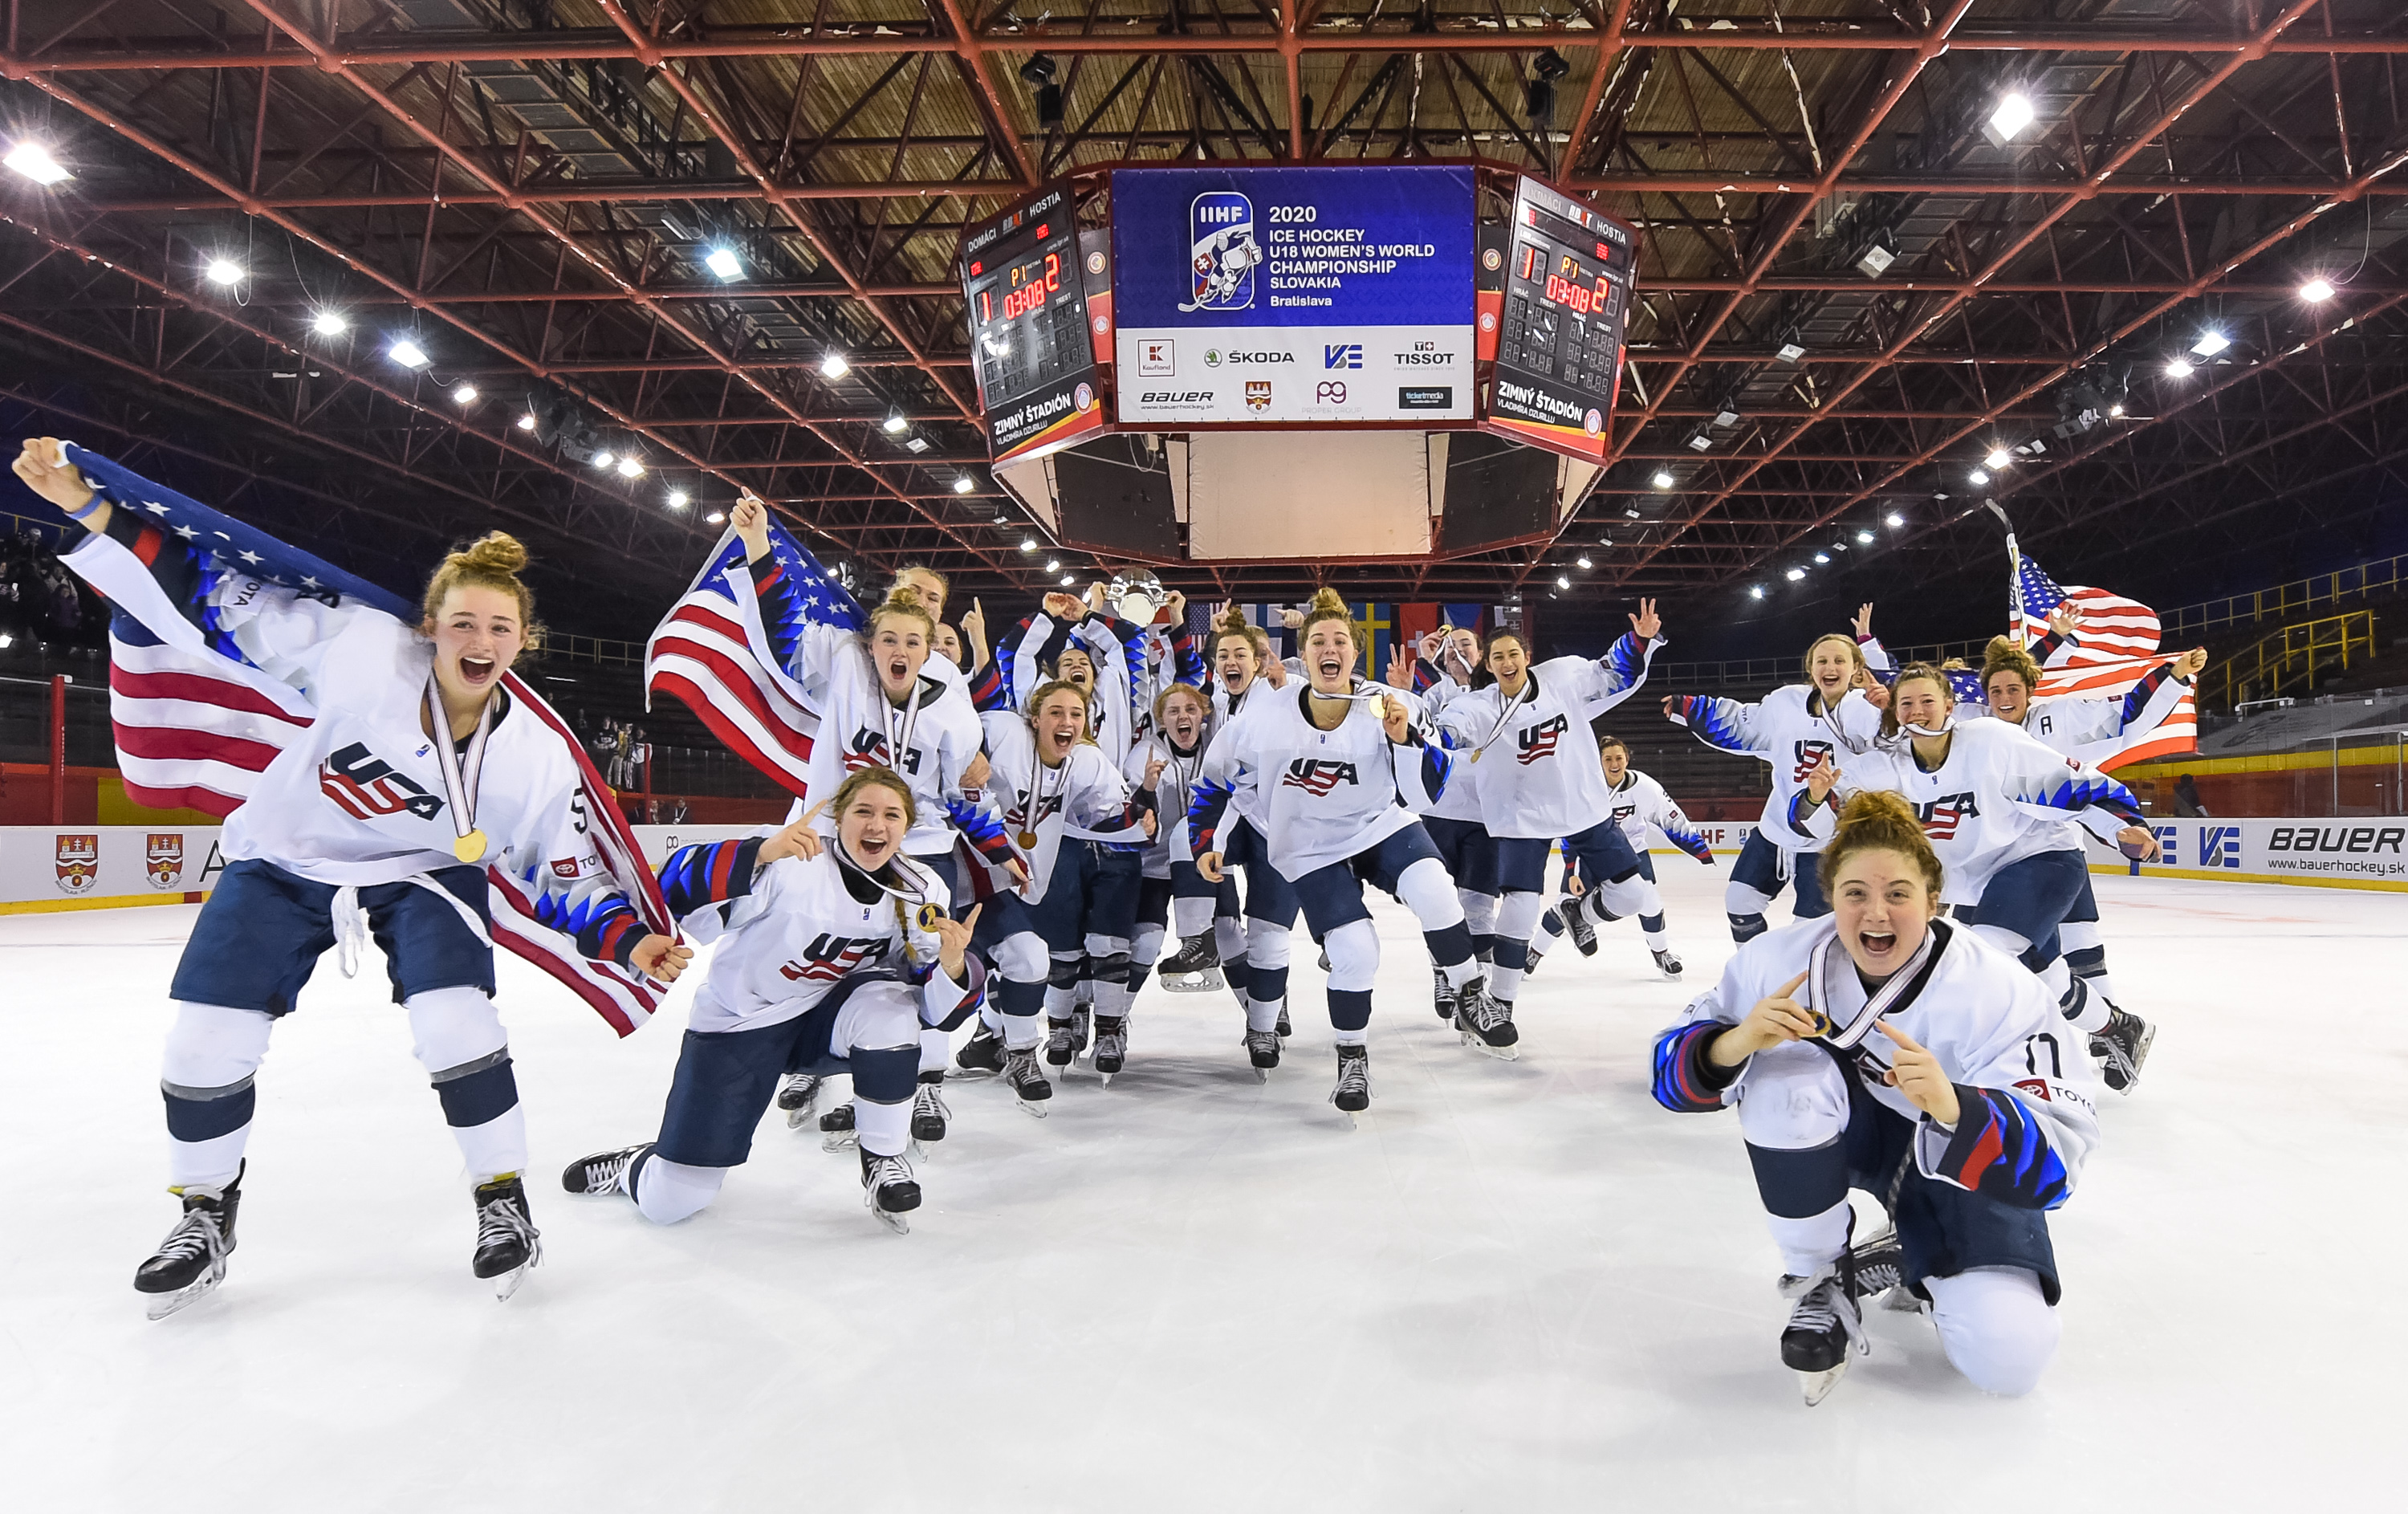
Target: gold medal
1027 840
1475 757
928 916
470 846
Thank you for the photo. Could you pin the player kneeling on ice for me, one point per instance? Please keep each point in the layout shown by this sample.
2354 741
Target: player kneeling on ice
1881 1048
834 957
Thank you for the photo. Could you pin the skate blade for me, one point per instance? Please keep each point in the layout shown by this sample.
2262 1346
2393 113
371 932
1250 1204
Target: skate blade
1206 981
914 1152
163 1305
1818 1385
1108 1077
2140 1056
1503 1054
1034 1109
836 1143
796 1119
1262 1074
507 1283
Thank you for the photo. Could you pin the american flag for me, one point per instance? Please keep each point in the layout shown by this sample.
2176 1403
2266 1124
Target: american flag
2117 646
728 650
195 722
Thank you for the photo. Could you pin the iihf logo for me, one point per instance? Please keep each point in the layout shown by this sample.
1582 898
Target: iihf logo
1223 254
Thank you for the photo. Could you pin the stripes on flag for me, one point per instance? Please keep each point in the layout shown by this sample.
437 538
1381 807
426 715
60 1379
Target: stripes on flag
2115 647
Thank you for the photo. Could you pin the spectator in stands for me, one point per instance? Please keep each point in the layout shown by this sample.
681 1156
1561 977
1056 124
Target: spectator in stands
2186 801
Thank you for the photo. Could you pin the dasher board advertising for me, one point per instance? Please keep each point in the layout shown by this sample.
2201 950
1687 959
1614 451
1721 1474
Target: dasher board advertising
1029 344
1315 296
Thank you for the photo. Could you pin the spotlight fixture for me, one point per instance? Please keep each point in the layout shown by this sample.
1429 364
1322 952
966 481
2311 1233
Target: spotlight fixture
717 518
631 467
408 354
1894 520
1663 479
723 261
34 161
329 323
1630 512
895 425
1755 591
2179 368
964 484
1977 478
604 460
2316 290
1822 557
1067 581
1699 440
1999 458
223 271
1794 574
679 499
1562 582
2007 122
465 395
1002 516
1875 259
526 422
916 444
1789 352
1863 538
1726 417
1839 546
1547 68
1583 564
1028 544
1053 565
2116 410
2211 343
7 641
834 366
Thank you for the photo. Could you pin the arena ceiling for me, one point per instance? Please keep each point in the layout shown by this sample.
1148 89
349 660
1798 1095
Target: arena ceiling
527 191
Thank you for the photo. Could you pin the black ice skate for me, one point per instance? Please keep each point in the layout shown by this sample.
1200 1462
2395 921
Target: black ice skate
1667 963
507 1242
1442 993
1353 1094
1578 926
1263 1050
1061 1043
982 1055
1485 1024
191 1261
929 1115
1082 1016
1283 1028
1825 1328
836 1129
1111 1047
2123 1046
1194 968
1028 1085
797 1092
887 1187
605 1172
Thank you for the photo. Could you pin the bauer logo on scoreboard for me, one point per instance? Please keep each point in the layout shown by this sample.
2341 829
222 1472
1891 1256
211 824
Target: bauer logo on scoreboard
1223 254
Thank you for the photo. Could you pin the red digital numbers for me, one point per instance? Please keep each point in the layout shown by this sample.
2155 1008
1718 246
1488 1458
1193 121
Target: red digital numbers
1579 297
1030 288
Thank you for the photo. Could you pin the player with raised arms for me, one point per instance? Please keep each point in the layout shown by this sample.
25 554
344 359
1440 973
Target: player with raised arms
1882 1048
835 954
378 820
1168 761
1447 668
1334 770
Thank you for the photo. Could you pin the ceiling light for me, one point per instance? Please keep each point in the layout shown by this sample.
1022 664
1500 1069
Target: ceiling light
717 518
1863 536
1562 582
1875 260
1978 478
1822 557
328 323
7 639
465 395
223 270
2179 368
1789 352
1663 479
604 460
1067 581
1002 516
1727 416
1028 544
408 354
2211 343
2316 290
679 499
1755 591
964 484
1053 565
834 366
631 467
34 161
896 425
2116 410
526 422
916 444
2014 114
1699 442
1794 574
1894 520
1583 563
1839 546
1997 458
1631 511
723 261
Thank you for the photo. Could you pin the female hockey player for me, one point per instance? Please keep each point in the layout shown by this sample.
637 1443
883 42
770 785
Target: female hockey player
2091 730
883 701
2000 808
834 956
1169 762
1640 803
377 819
1332 772
1880 1048
1074 825
1539 781
1449 666
1795 729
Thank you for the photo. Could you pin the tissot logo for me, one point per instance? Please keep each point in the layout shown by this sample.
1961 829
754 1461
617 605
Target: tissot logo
1423 360
1342 354
1317 776
1176 396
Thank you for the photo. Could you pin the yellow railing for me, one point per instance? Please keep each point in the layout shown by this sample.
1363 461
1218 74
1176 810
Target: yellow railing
2289 658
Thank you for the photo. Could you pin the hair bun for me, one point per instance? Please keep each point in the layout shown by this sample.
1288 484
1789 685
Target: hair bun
1233 622
1326 602
495 551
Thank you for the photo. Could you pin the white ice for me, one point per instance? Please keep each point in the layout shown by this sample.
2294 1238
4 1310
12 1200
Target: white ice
1516 1287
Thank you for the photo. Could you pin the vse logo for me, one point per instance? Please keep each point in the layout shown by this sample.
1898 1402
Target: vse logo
1342 355
2219 846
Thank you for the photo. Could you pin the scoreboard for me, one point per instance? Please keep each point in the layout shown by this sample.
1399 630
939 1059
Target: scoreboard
1564 293
1029 343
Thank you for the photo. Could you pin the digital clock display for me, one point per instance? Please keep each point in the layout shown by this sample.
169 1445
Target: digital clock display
1566 291
1029 342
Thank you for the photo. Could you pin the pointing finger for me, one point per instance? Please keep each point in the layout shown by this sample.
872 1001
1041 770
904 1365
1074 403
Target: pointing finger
1905 1042
1789 987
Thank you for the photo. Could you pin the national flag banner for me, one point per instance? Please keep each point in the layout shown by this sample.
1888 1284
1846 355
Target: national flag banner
195 721
1416 621
2115 646
728 650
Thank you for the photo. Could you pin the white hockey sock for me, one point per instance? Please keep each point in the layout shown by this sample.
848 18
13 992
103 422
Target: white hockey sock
1192 916
1633 895
498 1146
1809 1243
213 1053
669 1192
885 1128
1517 917
935 1046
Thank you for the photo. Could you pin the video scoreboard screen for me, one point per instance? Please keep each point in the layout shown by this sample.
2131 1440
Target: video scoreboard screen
1566 281
1029 342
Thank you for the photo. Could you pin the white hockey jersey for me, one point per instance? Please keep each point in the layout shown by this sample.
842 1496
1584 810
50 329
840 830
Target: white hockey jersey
929 743
1460 799
1084 799
789 932
1790 728
1998 798
1318 796
1181 775
2031 1119
2095 730
1541 777
1639 802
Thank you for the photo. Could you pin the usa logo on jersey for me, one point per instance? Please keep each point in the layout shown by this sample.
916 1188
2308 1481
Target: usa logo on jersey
830 957
1941 817
1539 740
364 788
1811 755
1317 776
1018 815
868 750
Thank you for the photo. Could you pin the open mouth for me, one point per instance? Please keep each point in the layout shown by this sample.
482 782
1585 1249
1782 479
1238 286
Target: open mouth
1330 669
475 671
1061 740
898 670
1878 945
871 852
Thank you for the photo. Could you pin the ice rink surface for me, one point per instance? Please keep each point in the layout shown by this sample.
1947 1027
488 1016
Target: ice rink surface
1516 1287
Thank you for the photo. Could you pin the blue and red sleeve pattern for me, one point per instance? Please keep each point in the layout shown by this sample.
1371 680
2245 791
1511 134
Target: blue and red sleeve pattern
1684 1082
2145 690
1438 764
987 692
1713 721
1689 841
781 612
709 872
2082 791
1186 656
982 830
1207 805
1425 676
605 926
2000 1152
1625 660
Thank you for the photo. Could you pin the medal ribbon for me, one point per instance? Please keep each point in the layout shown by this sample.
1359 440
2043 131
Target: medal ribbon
1883 1000
460 781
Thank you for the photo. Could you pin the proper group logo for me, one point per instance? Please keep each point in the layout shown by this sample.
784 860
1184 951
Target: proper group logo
162 857
1317 776
78 859
1331 392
